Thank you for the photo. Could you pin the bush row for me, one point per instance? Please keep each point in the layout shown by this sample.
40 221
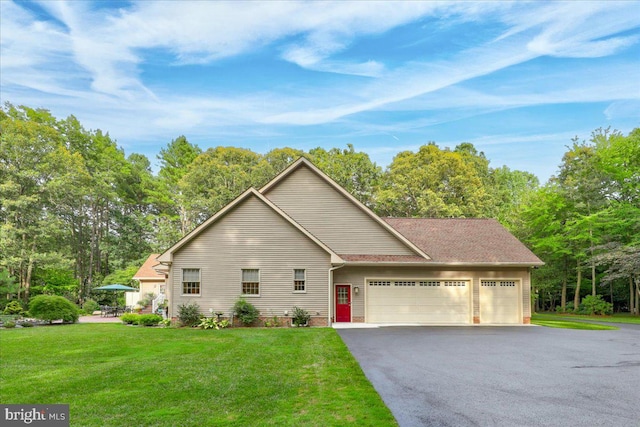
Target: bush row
141 319
590 305
247 313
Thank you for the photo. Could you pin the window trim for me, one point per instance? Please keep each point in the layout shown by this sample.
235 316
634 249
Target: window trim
242 294
182 282
297 291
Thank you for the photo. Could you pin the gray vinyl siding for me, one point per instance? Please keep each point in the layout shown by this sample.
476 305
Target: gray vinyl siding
331 217
357 276
253 236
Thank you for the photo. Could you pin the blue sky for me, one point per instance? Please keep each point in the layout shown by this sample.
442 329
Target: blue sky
518 80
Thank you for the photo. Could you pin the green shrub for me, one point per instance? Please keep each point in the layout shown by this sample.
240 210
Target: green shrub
272 322
26 324
50 307
14 307
189 314
90 306
130 318
300 316
4 318
568 308
208 323
595 305
246 312
149 319
9 324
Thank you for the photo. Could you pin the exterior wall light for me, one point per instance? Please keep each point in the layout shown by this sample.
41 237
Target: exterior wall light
356 290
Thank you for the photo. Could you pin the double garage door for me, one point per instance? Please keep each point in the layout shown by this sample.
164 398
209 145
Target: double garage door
419 301
441 301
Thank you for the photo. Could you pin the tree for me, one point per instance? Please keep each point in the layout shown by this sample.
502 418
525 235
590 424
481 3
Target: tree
216 177
582 183
544 219
622 262
32 159
173 219
509 192
69 202
353 170
432 183
8 287
588 210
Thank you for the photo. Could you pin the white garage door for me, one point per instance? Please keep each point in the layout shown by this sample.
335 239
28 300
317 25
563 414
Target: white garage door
418 301
500 301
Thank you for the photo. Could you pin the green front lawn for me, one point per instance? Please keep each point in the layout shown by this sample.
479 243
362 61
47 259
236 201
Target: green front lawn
116 375
553 321
615 318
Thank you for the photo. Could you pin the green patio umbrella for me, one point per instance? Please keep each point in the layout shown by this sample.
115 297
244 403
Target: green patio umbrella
115 287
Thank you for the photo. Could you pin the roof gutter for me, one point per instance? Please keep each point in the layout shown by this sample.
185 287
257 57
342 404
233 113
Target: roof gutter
445 264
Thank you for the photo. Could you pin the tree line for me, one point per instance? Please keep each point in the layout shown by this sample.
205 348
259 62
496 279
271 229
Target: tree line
76 212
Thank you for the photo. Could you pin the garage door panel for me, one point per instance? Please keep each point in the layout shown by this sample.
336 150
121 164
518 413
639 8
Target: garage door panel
435 302
500 301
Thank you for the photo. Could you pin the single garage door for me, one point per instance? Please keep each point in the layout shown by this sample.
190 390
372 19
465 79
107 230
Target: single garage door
418 301
500 301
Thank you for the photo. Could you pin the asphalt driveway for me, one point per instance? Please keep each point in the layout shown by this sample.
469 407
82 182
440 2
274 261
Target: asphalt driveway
503 376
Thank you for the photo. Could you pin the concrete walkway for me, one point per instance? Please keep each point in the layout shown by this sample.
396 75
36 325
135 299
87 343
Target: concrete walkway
96 318
356 325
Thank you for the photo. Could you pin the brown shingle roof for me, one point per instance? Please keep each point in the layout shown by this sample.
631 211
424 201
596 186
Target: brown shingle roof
464 240
147 271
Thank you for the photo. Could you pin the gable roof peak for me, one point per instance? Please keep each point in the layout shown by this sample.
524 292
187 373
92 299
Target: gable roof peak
167 255
302 161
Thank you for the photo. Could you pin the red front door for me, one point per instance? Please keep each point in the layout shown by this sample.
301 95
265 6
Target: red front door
343 303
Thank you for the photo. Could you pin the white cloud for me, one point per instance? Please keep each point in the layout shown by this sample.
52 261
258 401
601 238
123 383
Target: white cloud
628 108
26 43
88 60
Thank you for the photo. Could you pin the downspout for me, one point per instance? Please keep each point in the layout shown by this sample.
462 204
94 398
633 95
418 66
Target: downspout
330 293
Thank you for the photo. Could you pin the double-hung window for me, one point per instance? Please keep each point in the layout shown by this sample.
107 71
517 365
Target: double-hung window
251 282
299 280
191 281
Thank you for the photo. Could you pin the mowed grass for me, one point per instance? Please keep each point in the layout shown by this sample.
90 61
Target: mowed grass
616 318
552 321
116 375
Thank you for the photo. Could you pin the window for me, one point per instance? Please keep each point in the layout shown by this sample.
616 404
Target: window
380 283
250 282
405 283
451 283
430 283
191 281
299 280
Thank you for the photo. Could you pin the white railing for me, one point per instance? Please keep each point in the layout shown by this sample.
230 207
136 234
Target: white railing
156 303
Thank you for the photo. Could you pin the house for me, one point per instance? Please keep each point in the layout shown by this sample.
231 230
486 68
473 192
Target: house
151 282
303 240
